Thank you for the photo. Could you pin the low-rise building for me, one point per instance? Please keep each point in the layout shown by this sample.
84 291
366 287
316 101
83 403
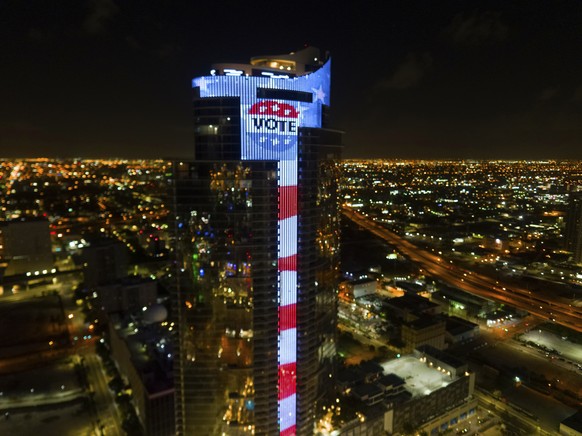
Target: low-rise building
417 396
391 384
460 330
364 287
433 394
410 307
441 360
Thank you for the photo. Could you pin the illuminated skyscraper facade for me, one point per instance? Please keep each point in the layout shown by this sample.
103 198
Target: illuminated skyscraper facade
257 236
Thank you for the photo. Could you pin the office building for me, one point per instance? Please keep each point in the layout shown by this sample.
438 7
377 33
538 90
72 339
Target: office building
574 226
256 237
105 261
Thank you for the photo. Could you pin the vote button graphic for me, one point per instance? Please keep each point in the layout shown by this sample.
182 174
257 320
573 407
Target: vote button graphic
272 125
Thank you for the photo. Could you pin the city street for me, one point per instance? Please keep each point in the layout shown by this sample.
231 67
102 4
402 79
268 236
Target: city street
106 409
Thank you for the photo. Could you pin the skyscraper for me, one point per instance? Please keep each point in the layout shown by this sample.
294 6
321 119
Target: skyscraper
257 235
574 226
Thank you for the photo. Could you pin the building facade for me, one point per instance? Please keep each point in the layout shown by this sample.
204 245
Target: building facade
144 360
574 226
256 237
25 246
105 261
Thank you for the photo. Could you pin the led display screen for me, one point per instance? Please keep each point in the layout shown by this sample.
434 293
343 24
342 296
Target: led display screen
268 125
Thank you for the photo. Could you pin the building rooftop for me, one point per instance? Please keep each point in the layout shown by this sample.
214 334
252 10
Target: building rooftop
151 351
363 281
370 367
442 356
350 376
390 380
425 322
286 65
420 379
367 390
411 287
411 303
457 326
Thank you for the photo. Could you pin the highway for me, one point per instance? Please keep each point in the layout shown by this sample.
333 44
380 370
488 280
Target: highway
547 307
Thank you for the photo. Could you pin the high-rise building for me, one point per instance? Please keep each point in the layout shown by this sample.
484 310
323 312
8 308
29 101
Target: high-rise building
574 226
256 236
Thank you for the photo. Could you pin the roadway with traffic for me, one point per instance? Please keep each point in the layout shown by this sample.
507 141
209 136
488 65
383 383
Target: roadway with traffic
542 305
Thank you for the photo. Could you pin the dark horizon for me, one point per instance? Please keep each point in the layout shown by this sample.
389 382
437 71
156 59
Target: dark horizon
485 80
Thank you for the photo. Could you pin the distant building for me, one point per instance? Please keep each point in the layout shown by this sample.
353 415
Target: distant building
441 360
363 287
127 295
454 300
440 397
428 330
410 307
144 356
419 321
366 383
574 226
104 262
459 330
25 246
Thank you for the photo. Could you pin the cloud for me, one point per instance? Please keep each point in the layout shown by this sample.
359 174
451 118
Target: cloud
409 73
477 29
100 14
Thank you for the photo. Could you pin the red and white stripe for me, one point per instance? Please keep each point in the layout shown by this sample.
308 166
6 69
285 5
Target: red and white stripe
287 267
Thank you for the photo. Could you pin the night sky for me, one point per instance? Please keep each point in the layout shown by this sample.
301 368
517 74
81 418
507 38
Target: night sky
410 79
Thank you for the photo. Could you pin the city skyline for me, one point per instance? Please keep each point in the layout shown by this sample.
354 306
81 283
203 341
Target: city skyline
488 80
444 264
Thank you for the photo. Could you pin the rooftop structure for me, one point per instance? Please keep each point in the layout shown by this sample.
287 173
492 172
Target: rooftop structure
420 379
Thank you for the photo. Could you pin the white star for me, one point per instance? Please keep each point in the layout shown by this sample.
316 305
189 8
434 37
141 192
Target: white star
275 141
263 109
263 139
319 94
203 84
275 107
287 111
